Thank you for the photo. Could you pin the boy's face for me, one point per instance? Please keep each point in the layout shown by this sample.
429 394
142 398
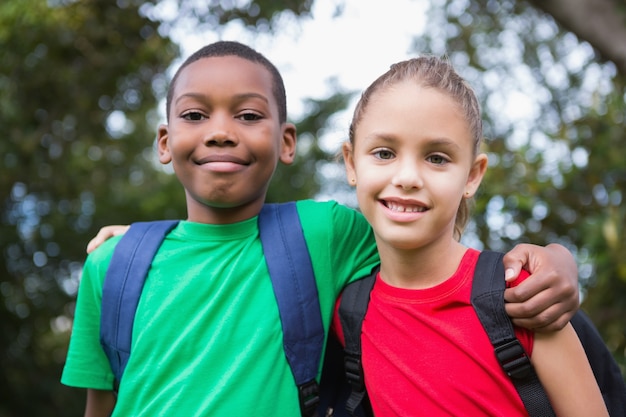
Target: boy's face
224 138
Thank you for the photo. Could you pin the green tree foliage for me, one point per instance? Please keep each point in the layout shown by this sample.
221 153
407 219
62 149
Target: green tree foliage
81 83
554 117
78 82
303 179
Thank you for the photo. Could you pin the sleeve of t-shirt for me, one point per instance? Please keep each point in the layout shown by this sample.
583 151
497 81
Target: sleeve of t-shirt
347 239
525 336
335 327
86 364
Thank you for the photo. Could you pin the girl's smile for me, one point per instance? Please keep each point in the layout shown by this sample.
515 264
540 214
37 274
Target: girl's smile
400 210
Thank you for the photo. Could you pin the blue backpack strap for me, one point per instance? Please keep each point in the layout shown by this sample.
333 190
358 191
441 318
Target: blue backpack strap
294 284
293 281
488 301
123 284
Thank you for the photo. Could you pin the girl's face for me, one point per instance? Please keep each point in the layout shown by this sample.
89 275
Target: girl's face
413 162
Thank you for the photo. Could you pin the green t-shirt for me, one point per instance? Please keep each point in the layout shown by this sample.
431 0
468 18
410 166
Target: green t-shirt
207 337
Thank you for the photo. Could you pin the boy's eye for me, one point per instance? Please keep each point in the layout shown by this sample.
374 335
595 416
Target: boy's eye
250 117
192 115
383 154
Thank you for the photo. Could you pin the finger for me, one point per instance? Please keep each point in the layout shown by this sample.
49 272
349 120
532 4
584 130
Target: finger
511 273
514 261
543 312
104 234
93 244
531 306
530 287
548 321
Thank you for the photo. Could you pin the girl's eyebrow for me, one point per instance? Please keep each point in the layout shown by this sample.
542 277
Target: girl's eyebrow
386 137
443 141
392 138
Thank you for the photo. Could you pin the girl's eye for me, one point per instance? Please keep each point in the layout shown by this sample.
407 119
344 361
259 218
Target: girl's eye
192 115
437 159
383 154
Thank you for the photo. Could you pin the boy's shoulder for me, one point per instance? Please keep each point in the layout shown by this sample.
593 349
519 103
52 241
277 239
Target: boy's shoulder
311 204
104 252
331 208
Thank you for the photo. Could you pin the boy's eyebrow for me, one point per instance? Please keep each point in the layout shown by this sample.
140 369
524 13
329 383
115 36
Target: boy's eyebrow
239 97
252 95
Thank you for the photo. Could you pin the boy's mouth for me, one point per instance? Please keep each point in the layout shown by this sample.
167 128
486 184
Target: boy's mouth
222 163
221 158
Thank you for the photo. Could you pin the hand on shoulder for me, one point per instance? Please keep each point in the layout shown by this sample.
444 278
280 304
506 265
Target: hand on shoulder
104 234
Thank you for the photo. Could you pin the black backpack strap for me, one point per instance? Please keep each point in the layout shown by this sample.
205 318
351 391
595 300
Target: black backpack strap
294 284
122 288
488 301
603 364
352 308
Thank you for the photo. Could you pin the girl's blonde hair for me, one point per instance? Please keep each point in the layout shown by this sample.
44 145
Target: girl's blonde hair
437 73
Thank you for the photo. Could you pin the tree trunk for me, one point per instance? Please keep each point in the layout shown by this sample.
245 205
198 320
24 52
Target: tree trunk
602 23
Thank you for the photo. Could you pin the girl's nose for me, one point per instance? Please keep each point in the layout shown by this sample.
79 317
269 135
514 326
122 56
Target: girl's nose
407 176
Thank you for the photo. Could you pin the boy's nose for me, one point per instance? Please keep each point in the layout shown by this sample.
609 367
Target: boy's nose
220 133
219 138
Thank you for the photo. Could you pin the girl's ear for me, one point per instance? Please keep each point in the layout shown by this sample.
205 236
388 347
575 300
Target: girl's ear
348 157
162 145
476 174
288 144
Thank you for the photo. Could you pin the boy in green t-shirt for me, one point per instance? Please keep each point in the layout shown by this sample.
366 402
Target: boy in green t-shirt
207 338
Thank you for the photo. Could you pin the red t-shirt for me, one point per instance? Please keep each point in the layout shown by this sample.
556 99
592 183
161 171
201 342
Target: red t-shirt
425 352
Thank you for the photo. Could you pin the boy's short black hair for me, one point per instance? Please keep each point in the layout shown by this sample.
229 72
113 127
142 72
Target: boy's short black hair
230 48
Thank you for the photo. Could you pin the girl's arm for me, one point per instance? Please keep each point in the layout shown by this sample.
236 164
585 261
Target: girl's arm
564 371
100 403
105 233
548 299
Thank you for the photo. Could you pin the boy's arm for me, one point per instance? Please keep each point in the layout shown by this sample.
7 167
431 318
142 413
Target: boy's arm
105 233
545 302
548 299
100 403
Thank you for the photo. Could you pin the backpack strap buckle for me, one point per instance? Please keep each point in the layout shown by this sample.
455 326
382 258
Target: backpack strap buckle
354 371
514 359
309 396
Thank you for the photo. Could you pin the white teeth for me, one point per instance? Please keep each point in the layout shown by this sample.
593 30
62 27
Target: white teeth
404 209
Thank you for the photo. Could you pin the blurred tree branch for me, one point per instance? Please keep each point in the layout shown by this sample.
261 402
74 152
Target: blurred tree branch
602 23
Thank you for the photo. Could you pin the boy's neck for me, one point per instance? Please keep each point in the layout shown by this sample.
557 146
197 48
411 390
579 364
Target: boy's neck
199 213
420 268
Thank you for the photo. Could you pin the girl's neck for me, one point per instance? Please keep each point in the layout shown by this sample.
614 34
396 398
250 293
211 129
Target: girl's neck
420 268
